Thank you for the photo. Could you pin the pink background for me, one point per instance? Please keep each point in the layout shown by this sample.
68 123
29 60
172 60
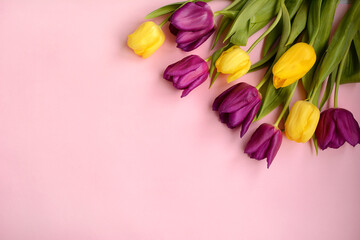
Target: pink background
94 144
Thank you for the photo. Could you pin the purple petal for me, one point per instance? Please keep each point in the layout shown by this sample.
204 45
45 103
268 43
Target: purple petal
236 118
173 29
187 47
325 130
184 66
222 96
224 117
241 96
250 117
186 79
194 84
261 152
336 142
261 135
185 37
274 147
193 17
347 126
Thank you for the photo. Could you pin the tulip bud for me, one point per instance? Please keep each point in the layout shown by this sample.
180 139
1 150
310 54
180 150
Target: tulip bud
238 105
192 24
146 39
187 73
233 61
293 64
301 123
337 125
264 143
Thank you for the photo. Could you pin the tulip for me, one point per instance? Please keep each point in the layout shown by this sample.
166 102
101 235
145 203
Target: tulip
337 125
264 143
146 39
293 64
187 73
238 105
192 24
301 123
233 61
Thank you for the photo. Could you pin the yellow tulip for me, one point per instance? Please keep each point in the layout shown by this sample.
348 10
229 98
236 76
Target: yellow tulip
293 64
146 39
233 61
301 123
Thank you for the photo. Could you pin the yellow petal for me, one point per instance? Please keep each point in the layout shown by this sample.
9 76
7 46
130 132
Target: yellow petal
240 73
146 39
301 123
233 61
293 64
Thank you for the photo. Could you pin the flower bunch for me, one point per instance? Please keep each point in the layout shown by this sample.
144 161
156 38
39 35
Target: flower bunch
296 48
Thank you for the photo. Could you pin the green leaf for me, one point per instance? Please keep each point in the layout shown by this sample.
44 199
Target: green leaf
225 21
328 9
241 37
270 41
313 21
241 22
351 73
329 88
293 6
164 10
236 5
274 97
229 13
265 61
267 12
299 22
340 43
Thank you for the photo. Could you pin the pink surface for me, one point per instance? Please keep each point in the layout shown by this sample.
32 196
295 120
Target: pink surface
94 144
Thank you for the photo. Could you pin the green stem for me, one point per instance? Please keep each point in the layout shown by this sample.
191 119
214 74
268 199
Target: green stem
165 21
208 59
338 79
265 78
273 25
336 91
286 106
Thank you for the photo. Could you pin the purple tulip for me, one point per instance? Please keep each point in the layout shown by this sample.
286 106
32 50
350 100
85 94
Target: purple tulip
192 24
187 73
264 143
337 125
238 105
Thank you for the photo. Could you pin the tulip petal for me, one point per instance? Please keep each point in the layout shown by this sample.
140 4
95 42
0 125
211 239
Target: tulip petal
301 123
250 117
173 29
222 97
259 137
241 96
236 118
147 38
184 66
244 69
193 17
274 147
193 45
293 64
325 130
347 126
194 84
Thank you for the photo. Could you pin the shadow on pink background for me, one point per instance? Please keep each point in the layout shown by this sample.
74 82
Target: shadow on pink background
94 144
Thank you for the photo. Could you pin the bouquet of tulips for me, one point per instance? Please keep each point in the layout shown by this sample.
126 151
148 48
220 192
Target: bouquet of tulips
296 48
